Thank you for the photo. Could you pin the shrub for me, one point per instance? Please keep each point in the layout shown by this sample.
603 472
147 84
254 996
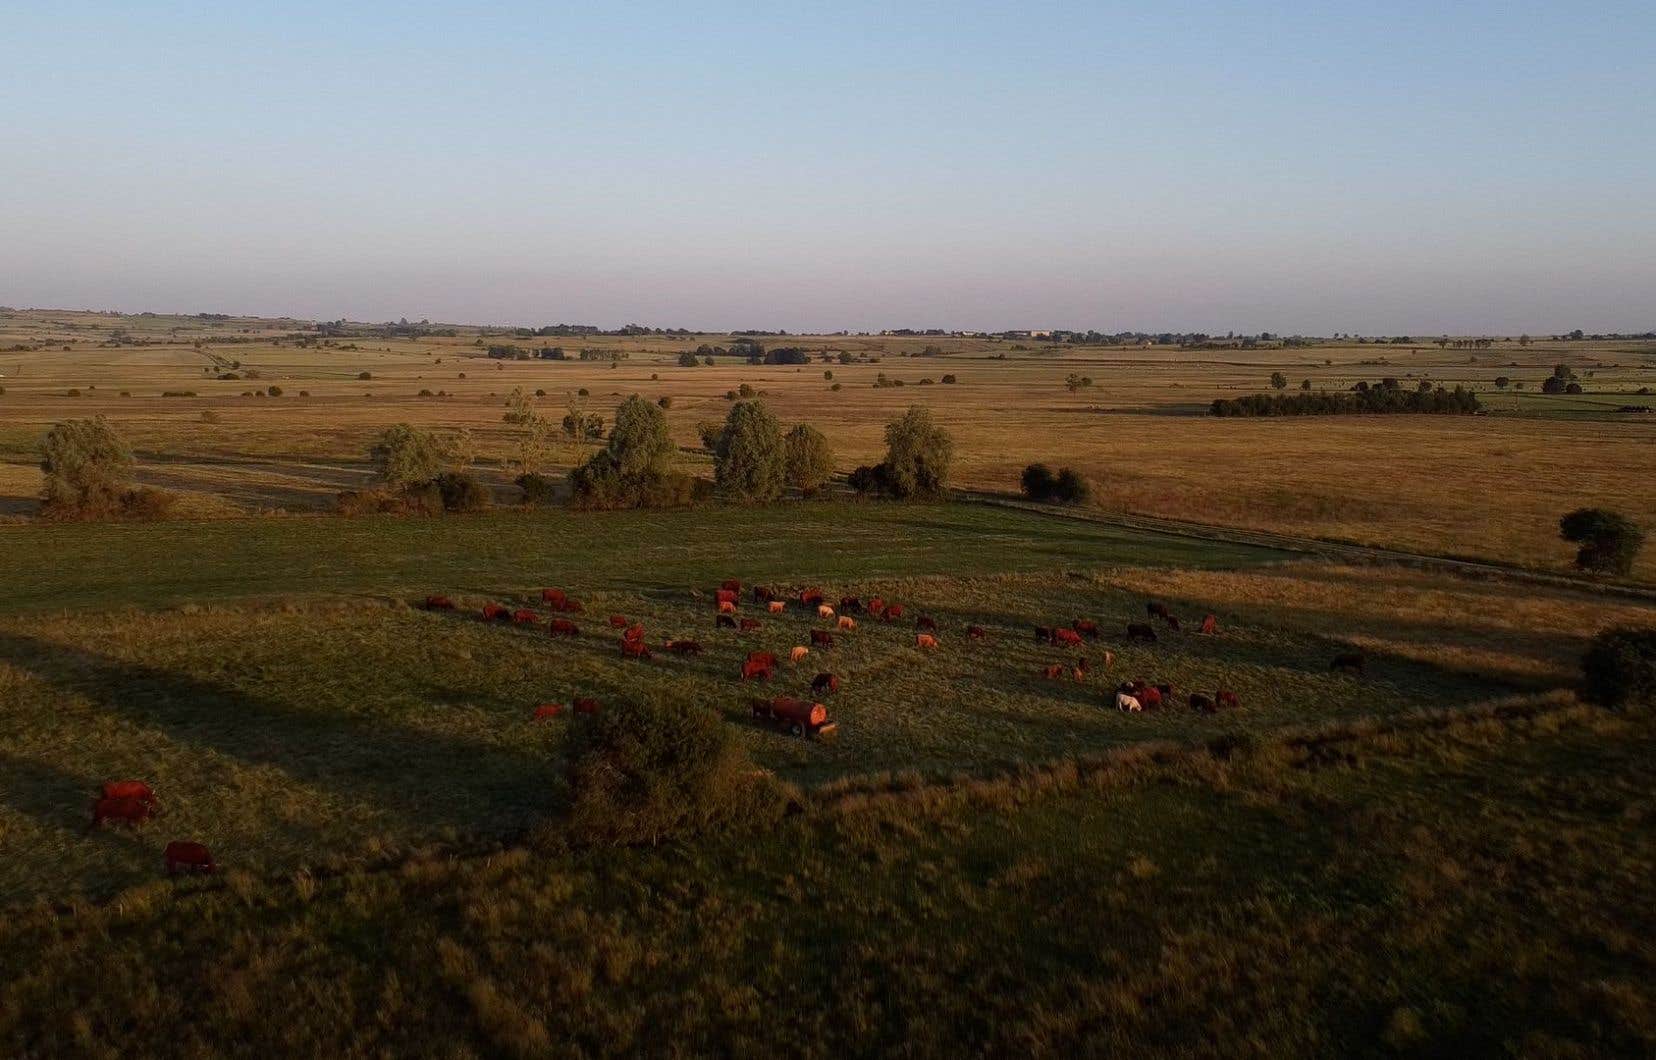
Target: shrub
462 492
1070 487
1038 482
1619 668
1279 381
870 479
1552 385
745 391
918 455
405 455
709 431
665 401
641 772
304 393
365 376
86 466
1363 398
537 489
749 462
540 392
949 378
688 360
836 386
635 469
72 392
1572 388
274 391
1609 541
810 460
425 394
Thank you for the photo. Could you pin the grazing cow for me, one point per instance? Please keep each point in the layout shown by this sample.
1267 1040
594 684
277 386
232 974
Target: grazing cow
1149 696
634 633
1156 609
563 627
1350 662
548 710
439 603
824 611
191 857
1200 703
618 621
731 585
975 633
825 683
586 705
572 607
634 649
1086 627
758 664
810 597
555 597
725 621
1067 637
1079 671
1210 624
749 624
762 595
1172 623
1043 634
1166 691
850 603
725 596
1125 703
876 606
525 617
496 613
776 607
925 640
1054 672
847 623
132 811
797 653
1226 698
684 647
130 789
1141 631
822 638
893 612
925 622
726 607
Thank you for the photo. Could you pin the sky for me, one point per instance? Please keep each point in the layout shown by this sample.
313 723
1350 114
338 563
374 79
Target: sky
1296 167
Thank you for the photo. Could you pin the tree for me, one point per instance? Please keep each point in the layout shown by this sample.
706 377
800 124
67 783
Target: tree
918 454
1038 482
639 442
687 360
1572 388
86 465
1609 541
1070 487
1619 668
1552 385
810 459
636 468
749 462
1502 382
406 455
1279 381
1305 384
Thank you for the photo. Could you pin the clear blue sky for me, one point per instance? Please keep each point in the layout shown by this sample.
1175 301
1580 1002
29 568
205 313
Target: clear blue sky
1298 166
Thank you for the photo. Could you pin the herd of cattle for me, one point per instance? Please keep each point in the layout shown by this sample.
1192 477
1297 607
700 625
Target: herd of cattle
133 802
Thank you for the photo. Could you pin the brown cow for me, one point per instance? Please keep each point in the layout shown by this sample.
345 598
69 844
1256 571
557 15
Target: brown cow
635 649
731 585
824 611
1350 662
194 857
762 595
822 637
776 607
893 612
1066 637
634 632
130 789
758 664
1156 609
496 613
525 617
1210 624
825 682
1043 634
850 603
439 603
1079 672
1172 623
847 623
1054 672
555 597
133 812
548 710
684 647
725 596
975 633
876 606
1086 627
1200 703
798 653
925 622
925 640
726 607
618 621
1226 698
724 622
748 625
1141 631
1149 696
563 627
572 607
586 705
810 597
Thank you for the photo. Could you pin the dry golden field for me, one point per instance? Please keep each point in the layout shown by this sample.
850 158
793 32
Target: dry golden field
1490 486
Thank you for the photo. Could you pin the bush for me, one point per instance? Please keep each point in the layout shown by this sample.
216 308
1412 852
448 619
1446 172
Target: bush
709 431
1572 388
688 360
462 492
810 460
1619 668
641 772
274 391
86 467
1385 398
949 378
664 401
749 462
918 455
870 479
1279 381
537 489
365 376
405 455
1038 482
1070 488
1552 385
636 468
1609 541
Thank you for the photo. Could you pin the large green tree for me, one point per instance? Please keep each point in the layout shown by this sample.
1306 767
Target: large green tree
810 458
918 455
749 462
86 464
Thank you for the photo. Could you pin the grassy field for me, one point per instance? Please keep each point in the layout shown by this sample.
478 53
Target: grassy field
1479 890
1498 483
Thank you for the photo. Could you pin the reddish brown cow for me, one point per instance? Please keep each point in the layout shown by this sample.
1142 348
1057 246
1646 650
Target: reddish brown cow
776 607
133 812
925 622
192 857
555 597
825 683
1200 703
684 647
925 640
1210 624
496 613
1079 671
563 627
1156 609
748 625
763 595
893 612
1067 637
1226 698
1086 627
525 617
975 633
725 596
1149 696
573 607
731 585
634 649
850 603
439 603
822 637
548 710
726 607
618 621
1054 672
759 665
810 597
129 789
876 606
634 633
586 705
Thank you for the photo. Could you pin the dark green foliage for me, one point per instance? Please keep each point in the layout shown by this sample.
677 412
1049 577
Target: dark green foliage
635 470
1279 381
1038 482
1609 541
918 455
687 360
405 454
1071 488
1572 388
868 479
1362 399
462 492
86 466
749 460
1552 385
1619 668
537 489
643 771
1066 487
810 460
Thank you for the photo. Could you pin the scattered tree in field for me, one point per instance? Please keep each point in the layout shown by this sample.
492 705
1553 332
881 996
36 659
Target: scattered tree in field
1037 482
635 470
1070 487
1552 385
1608 541
87 466
749 461
1279 381
1502 382
1619 668
688 360
462 492
1305 385
918 455
810 459
1066 487
406 455
1572 388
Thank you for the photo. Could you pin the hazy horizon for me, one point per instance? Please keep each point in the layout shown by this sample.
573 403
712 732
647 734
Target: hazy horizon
1296 168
